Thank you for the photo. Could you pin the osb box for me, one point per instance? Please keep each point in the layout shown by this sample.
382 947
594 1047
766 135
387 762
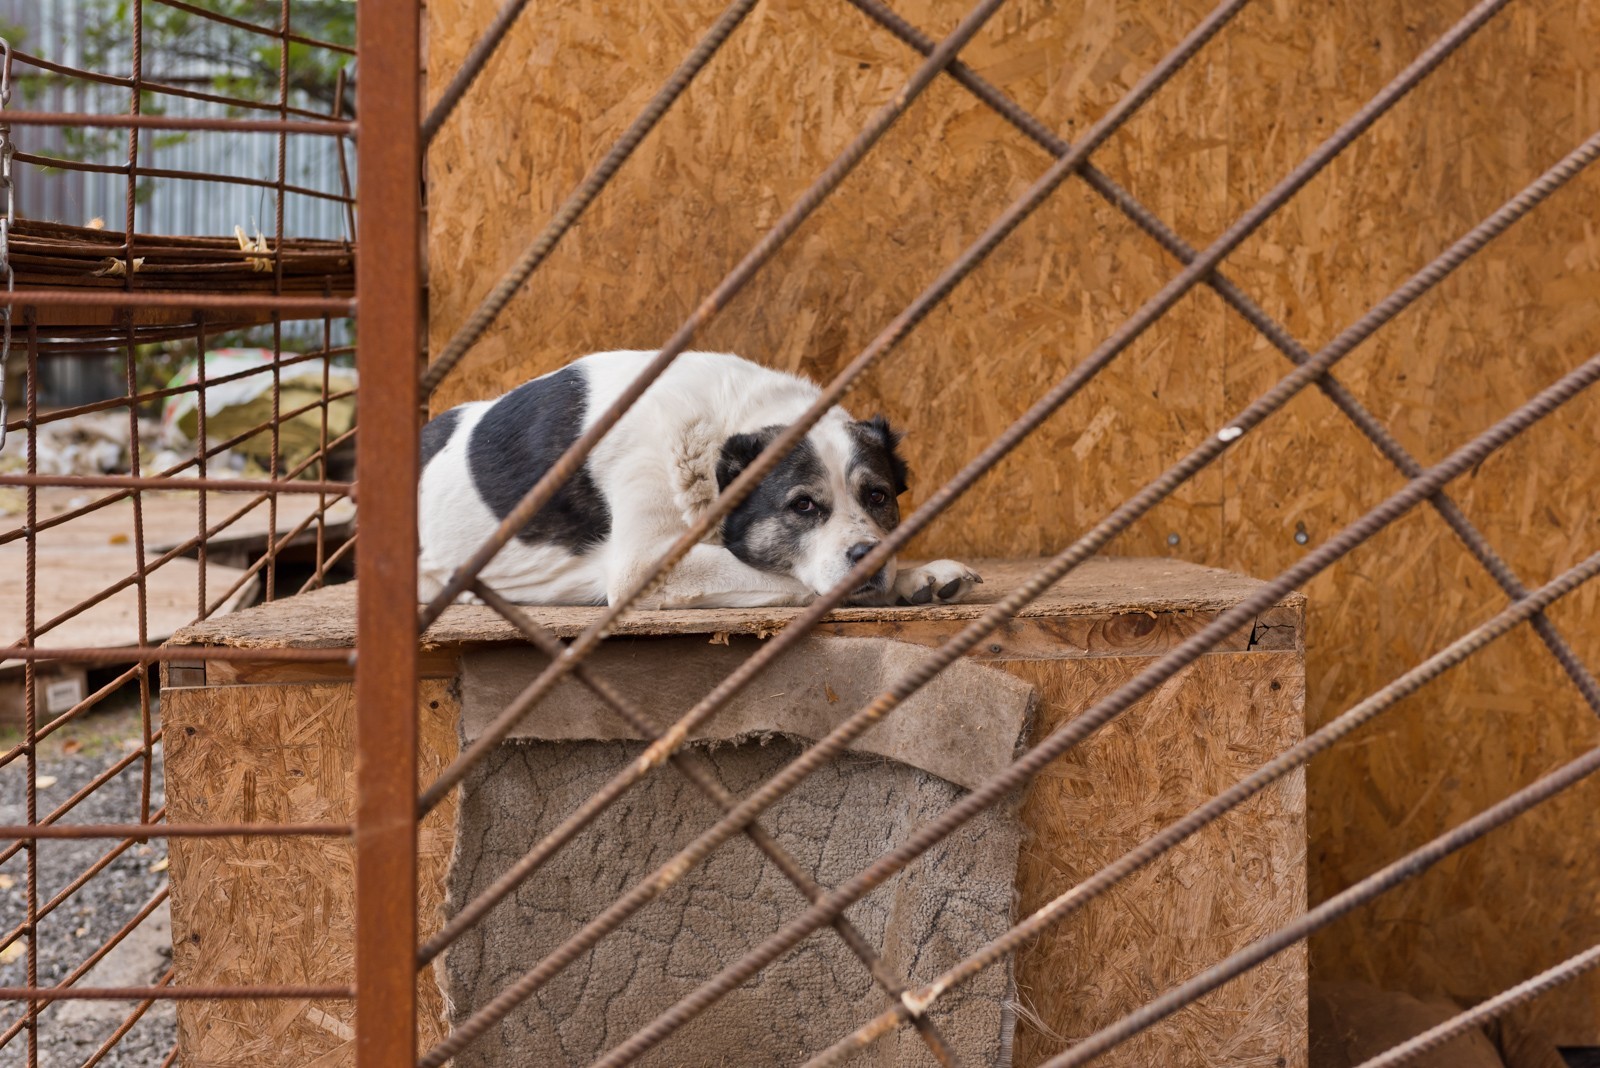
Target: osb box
270 741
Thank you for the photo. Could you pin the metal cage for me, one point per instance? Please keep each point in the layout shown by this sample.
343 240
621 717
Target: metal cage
282 280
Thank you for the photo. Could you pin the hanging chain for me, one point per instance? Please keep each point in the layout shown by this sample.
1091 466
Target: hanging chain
8 193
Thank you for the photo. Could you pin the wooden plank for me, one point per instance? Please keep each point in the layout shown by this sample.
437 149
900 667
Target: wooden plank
442 663
1076 637
1102 587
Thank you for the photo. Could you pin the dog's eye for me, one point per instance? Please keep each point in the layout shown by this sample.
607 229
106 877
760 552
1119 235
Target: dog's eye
803 505
877 497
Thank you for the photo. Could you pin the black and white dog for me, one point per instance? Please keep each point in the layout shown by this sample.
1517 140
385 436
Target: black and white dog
703 421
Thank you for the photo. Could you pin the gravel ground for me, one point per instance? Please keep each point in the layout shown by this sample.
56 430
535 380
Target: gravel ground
70 1032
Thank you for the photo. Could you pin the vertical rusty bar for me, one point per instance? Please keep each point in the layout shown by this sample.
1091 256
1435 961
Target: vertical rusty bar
322 442
131 373
200 461
388 288
136 106
344 165
271 570
30 686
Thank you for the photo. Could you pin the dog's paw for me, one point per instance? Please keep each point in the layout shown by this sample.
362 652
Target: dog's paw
939 582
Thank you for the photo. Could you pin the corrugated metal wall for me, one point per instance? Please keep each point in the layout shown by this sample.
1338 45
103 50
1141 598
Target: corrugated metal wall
51 29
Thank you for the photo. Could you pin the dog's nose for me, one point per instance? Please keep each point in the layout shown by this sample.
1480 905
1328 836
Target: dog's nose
859 550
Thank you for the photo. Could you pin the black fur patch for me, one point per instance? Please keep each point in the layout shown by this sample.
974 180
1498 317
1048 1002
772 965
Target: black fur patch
436 433
517 441
763 531
878 444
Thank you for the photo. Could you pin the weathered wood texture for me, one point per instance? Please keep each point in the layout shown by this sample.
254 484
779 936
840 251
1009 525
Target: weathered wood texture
282 910
798 80
1226 714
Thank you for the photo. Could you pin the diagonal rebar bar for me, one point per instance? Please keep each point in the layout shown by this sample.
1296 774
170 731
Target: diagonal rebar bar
1484 1011
578 202
1412 864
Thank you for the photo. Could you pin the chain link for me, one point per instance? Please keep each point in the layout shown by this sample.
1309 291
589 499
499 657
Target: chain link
8 191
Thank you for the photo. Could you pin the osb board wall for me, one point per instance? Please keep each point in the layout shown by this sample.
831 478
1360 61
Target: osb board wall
796 82
283 753
1235 881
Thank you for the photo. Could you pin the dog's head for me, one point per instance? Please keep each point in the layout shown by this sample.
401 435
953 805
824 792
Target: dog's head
824 507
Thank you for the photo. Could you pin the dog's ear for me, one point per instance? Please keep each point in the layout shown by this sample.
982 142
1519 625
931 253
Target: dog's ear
877 428
694 470
737 454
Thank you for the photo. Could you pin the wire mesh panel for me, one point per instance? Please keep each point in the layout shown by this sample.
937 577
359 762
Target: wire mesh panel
178 444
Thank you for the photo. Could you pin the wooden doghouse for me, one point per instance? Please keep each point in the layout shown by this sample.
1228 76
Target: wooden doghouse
272 741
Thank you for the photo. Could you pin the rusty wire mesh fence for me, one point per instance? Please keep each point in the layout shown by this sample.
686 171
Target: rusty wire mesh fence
284 278
176 444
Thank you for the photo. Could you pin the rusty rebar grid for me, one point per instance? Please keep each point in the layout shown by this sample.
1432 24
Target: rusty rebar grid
758 468
68 716
1487 554
82 792
94 958
63 414
1152 310
1064 562
1297 756
197 461
124 331
914 523
1064 737
1275 332
26 927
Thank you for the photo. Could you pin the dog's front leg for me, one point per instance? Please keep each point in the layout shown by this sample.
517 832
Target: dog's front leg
711 577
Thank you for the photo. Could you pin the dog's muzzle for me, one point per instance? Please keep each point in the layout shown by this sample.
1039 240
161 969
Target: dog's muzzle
876 584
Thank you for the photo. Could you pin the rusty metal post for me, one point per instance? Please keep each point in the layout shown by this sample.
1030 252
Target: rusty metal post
388 288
